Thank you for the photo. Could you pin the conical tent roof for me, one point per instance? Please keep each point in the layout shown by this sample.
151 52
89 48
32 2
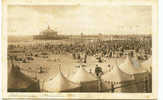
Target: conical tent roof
147 64
17 79
83 76
59 83
116 75
131 66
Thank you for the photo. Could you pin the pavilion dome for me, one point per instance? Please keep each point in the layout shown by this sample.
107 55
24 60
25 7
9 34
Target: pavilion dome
48 31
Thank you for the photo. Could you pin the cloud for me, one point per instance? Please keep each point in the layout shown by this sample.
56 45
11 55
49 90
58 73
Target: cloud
74 19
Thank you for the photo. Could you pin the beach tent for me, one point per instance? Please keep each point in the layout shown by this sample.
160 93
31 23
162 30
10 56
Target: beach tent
148 65
87 80
59 84
119 79
132 66
19 82
120 76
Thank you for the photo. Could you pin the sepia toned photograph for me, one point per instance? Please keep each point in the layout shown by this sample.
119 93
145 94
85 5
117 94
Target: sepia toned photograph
79 48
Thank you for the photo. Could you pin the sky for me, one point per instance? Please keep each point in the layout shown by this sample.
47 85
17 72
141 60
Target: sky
76 19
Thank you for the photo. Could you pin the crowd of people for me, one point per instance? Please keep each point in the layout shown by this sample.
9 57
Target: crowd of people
80 50
102 48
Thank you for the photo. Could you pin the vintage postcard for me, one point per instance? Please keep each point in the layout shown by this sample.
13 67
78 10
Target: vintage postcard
92 49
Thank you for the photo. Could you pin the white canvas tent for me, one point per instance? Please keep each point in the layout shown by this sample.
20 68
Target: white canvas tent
116 75
118 78
133 67
60 84
19 82
83 76
148 65
87 80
